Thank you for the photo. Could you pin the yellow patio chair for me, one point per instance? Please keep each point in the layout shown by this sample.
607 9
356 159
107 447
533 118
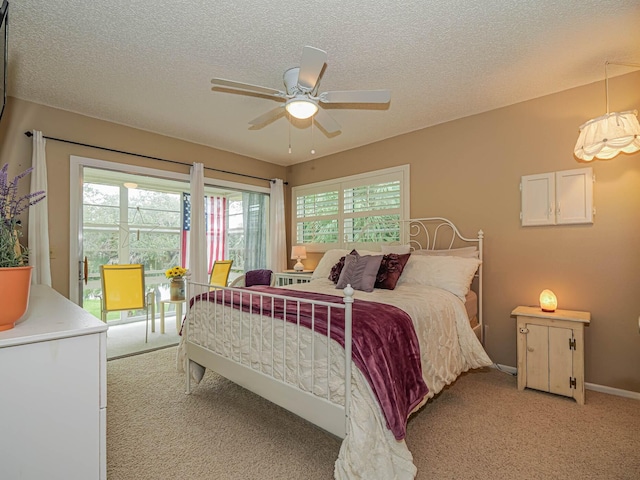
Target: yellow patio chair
220 273
123 289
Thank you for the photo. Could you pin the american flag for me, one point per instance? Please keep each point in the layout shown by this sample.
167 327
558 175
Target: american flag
215 228
216 211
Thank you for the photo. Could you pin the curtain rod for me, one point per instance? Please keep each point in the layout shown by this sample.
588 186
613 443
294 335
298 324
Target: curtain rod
30 134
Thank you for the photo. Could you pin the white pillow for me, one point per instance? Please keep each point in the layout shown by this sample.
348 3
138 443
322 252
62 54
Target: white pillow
326 263
399 249
465 252
453 274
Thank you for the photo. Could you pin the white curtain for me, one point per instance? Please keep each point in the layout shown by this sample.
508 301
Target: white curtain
255 224
197 239
38 245
278 246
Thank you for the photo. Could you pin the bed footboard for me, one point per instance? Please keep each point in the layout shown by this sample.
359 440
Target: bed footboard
242 335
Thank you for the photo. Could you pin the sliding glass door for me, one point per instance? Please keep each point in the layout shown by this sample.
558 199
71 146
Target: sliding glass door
129 219
125 215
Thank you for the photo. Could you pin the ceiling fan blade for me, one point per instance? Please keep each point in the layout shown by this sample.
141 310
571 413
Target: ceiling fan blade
266 117
356 96
246 87
326 122
311 66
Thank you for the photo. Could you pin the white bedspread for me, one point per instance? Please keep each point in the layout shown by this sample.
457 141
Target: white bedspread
370 451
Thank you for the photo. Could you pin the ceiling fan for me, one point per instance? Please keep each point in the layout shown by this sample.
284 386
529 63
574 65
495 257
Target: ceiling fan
301 97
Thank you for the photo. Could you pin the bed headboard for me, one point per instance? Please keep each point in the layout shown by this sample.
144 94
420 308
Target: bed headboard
438 233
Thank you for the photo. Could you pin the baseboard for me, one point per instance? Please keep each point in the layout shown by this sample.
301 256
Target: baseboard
588 386
139 352
612 391
505 368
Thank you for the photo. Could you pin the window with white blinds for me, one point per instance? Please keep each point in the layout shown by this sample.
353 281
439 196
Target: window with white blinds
351 212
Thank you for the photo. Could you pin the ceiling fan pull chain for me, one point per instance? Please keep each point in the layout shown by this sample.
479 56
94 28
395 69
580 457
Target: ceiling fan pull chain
313 150
289 132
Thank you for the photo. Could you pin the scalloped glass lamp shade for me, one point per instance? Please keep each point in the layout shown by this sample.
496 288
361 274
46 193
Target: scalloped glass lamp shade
607 136
548 301
301 107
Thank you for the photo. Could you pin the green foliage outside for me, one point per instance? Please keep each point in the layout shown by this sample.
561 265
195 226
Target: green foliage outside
150 233
93 307
144 226
313 211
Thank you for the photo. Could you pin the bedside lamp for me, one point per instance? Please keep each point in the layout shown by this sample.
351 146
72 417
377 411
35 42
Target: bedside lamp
298 252
548 301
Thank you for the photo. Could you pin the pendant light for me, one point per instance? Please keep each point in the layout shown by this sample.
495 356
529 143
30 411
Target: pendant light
606 136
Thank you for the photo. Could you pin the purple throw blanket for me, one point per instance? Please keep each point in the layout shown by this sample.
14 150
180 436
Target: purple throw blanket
385 347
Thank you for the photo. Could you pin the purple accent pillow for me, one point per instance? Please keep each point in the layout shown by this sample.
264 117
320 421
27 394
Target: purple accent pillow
359 272
336 270
390 270
257 277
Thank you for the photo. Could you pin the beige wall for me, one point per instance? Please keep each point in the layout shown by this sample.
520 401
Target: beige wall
469 171
15 149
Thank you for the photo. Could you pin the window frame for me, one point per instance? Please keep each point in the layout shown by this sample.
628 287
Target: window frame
399 173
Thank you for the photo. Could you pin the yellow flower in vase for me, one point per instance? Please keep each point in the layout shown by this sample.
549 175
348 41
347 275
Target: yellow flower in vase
176 272
177 288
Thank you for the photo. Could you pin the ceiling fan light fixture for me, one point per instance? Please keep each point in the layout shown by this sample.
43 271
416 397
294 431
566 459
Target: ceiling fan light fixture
302 96
301 107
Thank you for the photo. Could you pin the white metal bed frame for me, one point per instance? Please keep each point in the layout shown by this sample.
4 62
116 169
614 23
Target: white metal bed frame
320 410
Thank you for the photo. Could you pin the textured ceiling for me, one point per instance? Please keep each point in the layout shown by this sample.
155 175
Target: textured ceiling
148 63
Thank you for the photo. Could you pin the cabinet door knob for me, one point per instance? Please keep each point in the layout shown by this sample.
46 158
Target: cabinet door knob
529 349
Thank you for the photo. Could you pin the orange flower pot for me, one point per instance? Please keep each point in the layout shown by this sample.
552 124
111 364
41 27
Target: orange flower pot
15 285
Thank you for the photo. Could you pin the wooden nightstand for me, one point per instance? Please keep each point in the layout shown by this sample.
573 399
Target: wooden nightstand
291 277
551 350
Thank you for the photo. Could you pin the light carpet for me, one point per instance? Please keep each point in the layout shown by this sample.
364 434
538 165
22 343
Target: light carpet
128 339
481 427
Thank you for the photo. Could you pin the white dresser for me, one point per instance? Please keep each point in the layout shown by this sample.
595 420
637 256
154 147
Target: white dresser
53 394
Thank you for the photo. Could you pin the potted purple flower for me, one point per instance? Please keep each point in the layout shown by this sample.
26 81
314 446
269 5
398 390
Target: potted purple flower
15 274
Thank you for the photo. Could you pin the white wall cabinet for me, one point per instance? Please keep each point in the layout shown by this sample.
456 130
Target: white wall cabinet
551 351
557 198
53 392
